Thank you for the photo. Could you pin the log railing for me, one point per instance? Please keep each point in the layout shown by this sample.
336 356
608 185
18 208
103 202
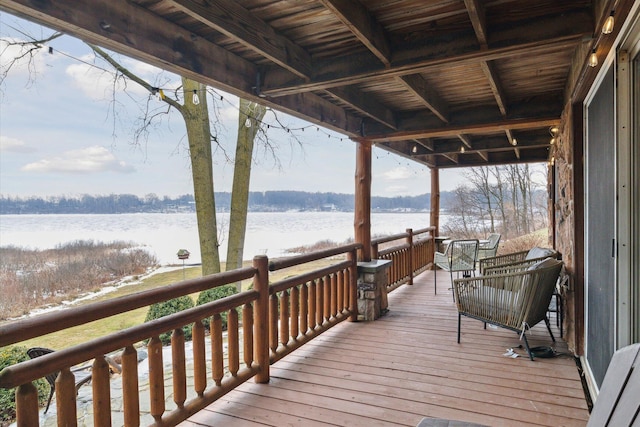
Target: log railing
409 258
262 324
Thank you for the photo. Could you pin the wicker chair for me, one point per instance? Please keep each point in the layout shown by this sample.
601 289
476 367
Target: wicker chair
490 248
515 301
459 256
503 263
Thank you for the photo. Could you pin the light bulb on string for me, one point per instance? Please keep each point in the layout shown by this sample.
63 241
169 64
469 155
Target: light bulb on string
593 59
247 122
195 98
607 28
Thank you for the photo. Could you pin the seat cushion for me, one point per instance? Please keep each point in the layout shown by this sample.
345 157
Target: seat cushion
538 252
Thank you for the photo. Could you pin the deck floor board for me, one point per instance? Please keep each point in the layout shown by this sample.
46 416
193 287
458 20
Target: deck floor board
407 365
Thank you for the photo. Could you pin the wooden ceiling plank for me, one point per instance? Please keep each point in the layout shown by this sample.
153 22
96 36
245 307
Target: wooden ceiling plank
530 41
363 25
236 22
419 86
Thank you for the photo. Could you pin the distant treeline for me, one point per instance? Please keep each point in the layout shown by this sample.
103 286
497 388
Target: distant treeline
268 201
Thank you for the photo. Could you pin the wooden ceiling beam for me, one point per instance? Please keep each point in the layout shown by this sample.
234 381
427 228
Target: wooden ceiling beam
365 105
363 25
490 144
231 19
455 130
491 74
535 36
419 86
478 20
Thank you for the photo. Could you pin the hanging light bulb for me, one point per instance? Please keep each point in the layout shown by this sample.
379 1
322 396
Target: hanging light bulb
553 141
462 149
196 98
247 122
514 142
554 130
607 28
593 59
414 149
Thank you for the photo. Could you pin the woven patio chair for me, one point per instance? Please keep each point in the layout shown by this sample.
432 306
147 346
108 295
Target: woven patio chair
502 263
516 301
459 256
35 352
490 248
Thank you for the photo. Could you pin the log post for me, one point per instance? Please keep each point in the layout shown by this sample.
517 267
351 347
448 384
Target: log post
435 201
130 398
27 405
261 285
362 220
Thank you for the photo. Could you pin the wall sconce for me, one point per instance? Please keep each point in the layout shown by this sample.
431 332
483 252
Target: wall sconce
593 59
607 28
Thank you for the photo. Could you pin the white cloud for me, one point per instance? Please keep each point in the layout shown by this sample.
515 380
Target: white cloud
83 161
14 145
397 174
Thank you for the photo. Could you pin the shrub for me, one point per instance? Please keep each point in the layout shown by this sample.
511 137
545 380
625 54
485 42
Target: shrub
10 356
161 309
215 294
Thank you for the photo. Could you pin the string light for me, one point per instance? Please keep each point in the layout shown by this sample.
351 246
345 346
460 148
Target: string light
514 142
607 28
160 96
593 59
247 123
462 149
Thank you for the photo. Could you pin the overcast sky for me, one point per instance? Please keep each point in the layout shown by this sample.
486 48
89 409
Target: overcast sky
63 133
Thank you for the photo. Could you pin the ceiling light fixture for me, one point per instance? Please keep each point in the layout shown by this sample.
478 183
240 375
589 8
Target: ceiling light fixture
593 59
607 28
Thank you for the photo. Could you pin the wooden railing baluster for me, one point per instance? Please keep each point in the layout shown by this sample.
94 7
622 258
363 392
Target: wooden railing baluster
312 304
217 355
273 322
284 317
320 302
27 405
304 308
130 392
156 377
233 341
179 367
247 331
295 313
66 398
100 379
199 358
334 295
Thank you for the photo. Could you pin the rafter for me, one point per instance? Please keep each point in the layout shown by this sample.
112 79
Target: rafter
478 20
419 86
363 25
234 21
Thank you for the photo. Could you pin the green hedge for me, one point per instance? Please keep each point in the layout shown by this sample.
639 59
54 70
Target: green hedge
161 309
215 294
10 356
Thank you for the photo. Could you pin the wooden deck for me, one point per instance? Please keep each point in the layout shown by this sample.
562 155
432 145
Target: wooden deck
405 366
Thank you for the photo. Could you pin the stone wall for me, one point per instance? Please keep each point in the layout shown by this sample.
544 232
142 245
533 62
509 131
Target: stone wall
564 209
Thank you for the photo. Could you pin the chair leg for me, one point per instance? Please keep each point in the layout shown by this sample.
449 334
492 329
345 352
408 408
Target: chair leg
526 346
453 295
53 390
459 328
435 280
546 320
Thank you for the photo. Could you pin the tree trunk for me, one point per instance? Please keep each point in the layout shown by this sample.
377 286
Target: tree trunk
196 118
249 119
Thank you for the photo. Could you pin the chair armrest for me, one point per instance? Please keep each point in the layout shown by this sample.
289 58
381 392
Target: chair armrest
502 259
